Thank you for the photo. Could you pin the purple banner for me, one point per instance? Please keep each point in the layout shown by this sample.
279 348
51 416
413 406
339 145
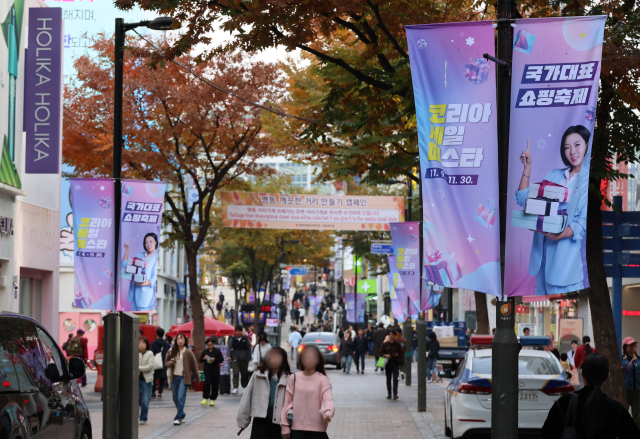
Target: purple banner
396 308
455 95
406 249
140 230
554 93
43 91
349 302
94 242
397 291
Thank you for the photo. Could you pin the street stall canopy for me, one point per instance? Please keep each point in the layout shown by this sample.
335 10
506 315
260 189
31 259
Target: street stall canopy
211 327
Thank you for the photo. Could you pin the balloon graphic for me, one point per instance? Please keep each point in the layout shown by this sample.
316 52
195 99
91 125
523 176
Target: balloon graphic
583 34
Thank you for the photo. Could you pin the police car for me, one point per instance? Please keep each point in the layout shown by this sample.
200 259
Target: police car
467 400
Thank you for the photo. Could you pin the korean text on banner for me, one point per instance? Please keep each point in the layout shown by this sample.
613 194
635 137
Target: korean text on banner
396 287
406 249
455 95
310 212
94 242
139 243
556 70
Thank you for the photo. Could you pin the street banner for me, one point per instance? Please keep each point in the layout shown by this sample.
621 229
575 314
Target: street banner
310 212
554 93
94 242
349 304
454 89
406 249
397 288
396 308
139 244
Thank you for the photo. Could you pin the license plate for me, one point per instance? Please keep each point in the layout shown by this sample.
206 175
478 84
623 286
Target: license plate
528 396
444 361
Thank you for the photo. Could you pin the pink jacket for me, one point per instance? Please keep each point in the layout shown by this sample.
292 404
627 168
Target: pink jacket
311 399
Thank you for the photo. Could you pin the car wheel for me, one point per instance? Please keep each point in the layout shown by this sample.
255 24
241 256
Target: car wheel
86 432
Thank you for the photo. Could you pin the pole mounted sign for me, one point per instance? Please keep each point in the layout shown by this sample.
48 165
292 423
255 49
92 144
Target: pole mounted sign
381 249
298 271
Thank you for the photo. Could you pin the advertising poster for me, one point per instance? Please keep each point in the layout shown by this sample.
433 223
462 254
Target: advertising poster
556 70
455 96
350 306
310 212
94 243
406 249
140 229
396 307
397 288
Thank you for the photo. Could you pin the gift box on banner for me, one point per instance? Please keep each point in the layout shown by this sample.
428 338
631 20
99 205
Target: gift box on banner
549 190
486 213
442 269
541 206
541 223
137 262
477 70
135 277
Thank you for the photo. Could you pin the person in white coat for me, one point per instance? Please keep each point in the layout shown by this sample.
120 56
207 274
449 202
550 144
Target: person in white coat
145 379
261 349
263 398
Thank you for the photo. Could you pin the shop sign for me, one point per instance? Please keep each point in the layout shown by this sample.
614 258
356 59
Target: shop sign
521 309
6 226
631 313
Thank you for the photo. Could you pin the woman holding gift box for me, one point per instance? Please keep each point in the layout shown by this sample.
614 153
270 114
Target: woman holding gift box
556 258
143 281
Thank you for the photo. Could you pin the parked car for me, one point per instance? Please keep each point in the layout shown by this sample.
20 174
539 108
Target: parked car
467 400
327 342
39 395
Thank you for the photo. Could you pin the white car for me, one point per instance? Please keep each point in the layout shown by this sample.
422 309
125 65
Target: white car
467 400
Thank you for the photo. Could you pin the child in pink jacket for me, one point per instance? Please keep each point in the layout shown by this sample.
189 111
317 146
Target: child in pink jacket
308 398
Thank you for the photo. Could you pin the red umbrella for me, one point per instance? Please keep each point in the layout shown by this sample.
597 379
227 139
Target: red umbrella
211 327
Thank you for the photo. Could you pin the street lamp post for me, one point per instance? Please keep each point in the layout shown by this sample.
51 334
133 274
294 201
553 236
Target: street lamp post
120 341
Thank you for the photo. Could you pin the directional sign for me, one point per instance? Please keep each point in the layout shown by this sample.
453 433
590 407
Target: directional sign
296 271
381 249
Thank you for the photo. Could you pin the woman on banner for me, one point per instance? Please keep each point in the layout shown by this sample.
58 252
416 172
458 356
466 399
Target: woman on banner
556 258
143 283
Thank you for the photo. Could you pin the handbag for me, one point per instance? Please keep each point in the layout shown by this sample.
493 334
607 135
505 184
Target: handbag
157 361
570 431
290 411
381 362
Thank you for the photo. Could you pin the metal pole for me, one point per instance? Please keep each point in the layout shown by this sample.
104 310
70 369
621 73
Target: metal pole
504 395
421 325
616 291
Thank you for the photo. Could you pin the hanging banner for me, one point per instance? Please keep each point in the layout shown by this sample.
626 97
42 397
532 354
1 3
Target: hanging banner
554 92
397 288
350 306
94 242
406 249
140 229
455 95
396 308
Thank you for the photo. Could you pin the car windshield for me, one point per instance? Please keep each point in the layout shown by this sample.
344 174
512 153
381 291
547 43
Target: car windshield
526 366
316 337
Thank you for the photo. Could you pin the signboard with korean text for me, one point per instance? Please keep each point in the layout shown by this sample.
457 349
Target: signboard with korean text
381 249
94 243
406 248
455 95
139 244
554 93
310 212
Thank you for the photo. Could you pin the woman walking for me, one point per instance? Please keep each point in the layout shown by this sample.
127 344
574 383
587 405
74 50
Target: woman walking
145 360
631 375
308 403
212 359
433 346
346 352
182 370
264 397
261 349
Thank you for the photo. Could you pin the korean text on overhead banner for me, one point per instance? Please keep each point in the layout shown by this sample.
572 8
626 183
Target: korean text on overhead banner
310 212
43 91
397 289
554 91
455 95
94 242
140 230
406 247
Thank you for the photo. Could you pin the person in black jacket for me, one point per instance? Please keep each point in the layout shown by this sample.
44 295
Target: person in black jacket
346 352
433 346
378 339
212 359
598 416
360 347
159 345
394 353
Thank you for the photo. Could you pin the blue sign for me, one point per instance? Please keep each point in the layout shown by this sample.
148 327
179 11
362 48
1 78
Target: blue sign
181 291
298 272
381 249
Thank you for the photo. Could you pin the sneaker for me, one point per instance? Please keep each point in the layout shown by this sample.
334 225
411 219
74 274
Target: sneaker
376 369
183 420
429 381
388 396
159 396
212 403
401 376
395 397
234 391
203 402
177 422
362 372
153 396
143 422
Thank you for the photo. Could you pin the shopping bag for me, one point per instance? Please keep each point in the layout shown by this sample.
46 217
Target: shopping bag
381 362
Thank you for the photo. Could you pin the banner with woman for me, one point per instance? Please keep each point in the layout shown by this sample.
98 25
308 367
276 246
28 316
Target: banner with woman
555 75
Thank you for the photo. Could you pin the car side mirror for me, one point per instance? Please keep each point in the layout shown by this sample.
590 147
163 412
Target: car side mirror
52 373
446 373
77 368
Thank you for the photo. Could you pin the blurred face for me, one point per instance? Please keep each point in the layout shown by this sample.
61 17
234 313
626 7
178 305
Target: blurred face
360 332
309 359
574 346
239 334
210 345
392 337
273 360
631 350
526 332
181 341
347 335
142 346
574 149
150 244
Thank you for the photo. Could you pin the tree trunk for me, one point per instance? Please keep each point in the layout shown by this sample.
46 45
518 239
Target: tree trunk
482 313
605 339
196 302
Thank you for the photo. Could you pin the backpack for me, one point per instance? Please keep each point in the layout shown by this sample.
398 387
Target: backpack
75 347
570 431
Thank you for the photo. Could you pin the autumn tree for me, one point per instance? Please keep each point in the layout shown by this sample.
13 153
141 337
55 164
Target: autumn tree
176 129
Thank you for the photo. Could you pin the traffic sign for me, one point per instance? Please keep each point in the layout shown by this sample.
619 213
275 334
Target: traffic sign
297 271
381 249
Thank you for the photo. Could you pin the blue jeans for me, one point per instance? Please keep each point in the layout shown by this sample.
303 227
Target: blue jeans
179 395
414 354
371 349
144 396
431 366
347 362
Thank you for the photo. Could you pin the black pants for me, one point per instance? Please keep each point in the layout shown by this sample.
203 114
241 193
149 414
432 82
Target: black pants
158 386
359 360
211 382
264 428
392 369
303 434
